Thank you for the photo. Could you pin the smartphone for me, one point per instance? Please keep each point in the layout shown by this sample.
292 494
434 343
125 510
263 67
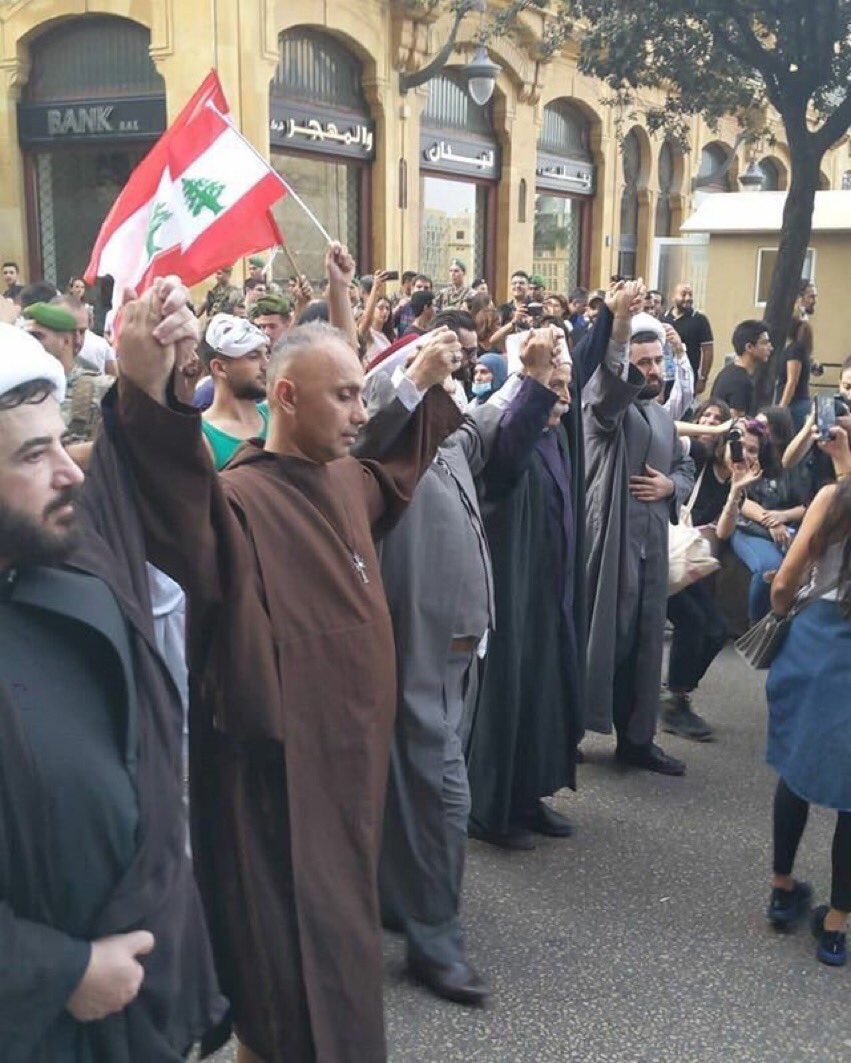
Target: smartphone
737 451
825 416
535 310
393 275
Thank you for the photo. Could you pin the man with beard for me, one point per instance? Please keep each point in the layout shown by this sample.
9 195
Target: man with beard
528 716
695 331
636 480
103 941
237 358
292 656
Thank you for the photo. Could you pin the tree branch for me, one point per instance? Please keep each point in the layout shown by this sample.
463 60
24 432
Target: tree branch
834 127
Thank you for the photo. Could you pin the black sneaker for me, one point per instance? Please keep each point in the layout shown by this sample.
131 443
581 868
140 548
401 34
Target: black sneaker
678 718
831 948
786 907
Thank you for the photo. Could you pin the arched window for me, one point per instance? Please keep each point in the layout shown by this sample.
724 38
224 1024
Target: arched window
770 176
93 57
712 175
322 139
628 243
564 194
667 163
459 168
93 105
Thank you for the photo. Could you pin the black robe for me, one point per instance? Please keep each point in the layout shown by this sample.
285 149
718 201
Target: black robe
179 1000
530 706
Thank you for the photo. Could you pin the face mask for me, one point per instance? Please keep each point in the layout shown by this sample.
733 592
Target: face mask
481 387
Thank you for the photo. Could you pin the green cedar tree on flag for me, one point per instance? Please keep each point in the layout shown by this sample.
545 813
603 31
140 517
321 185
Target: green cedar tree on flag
200 198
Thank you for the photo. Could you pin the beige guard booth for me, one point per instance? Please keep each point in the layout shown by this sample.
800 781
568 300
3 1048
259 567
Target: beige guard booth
744 230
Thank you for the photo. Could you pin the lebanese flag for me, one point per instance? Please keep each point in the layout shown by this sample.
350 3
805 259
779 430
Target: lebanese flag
200 198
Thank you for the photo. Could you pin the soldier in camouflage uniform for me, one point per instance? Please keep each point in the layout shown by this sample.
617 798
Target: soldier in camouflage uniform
222 293
55 327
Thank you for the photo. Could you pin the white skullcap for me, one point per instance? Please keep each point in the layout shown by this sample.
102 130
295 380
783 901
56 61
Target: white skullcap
648 323
22 359
234 337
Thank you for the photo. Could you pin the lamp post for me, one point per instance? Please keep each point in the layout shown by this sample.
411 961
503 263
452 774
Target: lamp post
480 72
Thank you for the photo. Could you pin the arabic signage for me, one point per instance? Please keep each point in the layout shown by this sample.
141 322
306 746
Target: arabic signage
448 153
555 173
89 121
322 130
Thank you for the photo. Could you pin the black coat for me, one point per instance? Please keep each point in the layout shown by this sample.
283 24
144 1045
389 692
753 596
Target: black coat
179 1001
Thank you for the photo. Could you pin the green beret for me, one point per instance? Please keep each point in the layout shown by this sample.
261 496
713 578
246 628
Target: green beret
537 281
460 263
271 304
256 260
56 318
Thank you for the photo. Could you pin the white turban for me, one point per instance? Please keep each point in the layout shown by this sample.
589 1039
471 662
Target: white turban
22 359
234 337
648 323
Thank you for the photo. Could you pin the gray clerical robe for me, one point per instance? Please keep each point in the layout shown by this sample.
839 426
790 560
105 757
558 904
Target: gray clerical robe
437 575
627 542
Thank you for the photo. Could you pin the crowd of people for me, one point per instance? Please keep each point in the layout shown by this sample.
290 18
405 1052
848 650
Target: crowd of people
367 566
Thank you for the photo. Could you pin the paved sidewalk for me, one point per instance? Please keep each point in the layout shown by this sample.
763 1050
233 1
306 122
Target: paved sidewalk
643 938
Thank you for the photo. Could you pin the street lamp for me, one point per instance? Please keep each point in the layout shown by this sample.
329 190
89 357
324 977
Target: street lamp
480 72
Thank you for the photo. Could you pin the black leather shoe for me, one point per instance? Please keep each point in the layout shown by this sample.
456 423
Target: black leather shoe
650 758
518 840
541 819
459 982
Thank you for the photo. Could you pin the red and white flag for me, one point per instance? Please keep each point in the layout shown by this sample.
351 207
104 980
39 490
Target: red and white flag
198 200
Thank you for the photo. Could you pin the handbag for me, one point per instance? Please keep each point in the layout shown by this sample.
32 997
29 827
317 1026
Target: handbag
690 555
760 644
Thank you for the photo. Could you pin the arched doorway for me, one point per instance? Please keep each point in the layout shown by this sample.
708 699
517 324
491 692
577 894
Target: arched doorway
771 176
92 107
322 142
459 174
565 186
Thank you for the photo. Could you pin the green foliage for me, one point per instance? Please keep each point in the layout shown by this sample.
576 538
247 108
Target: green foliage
721 57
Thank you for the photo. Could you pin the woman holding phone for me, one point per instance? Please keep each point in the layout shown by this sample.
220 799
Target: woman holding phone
727 463
809 731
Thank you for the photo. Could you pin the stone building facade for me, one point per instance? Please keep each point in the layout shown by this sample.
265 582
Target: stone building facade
537 179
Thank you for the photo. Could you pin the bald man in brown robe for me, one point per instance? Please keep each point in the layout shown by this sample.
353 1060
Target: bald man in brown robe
291 655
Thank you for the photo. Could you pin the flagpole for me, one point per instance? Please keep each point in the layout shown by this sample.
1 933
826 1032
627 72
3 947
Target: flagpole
292 261
306 209
328 239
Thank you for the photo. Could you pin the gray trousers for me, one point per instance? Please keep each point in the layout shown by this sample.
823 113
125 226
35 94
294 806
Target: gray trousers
425 821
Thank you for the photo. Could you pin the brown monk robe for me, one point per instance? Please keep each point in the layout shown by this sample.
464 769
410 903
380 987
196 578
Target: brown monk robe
293 686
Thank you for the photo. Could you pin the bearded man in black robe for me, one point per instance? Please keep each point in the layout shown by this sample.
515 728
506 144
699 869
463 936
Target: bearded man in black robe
102 937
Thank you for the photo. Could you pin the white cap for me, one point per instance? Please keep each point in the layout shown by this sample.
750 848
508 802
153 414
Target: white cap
644 322
234 337
22 359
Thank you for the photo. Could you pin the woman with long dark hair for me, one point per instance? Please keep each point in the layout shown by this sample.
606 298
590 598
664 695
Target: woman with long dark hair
809 732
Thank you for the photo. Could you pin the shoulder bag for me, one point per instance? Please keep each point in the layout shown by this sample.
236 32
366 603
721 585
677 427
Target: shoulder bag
689 551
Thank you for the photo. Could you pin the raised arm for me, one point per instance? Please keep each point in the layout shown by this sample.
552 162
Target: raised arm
801 445
179 497
401 440
616 383
340 269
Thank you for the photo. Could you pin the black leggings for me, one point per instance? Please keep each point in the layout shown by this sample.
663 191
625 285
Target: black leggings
790 818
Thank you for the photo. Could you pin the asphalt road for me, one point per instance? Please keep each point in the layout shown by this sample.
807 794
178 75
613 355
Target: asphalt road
643 937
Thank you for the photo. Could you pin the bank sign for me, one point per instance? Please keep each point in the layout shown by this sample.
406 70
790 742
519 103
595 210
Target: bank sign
89 121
